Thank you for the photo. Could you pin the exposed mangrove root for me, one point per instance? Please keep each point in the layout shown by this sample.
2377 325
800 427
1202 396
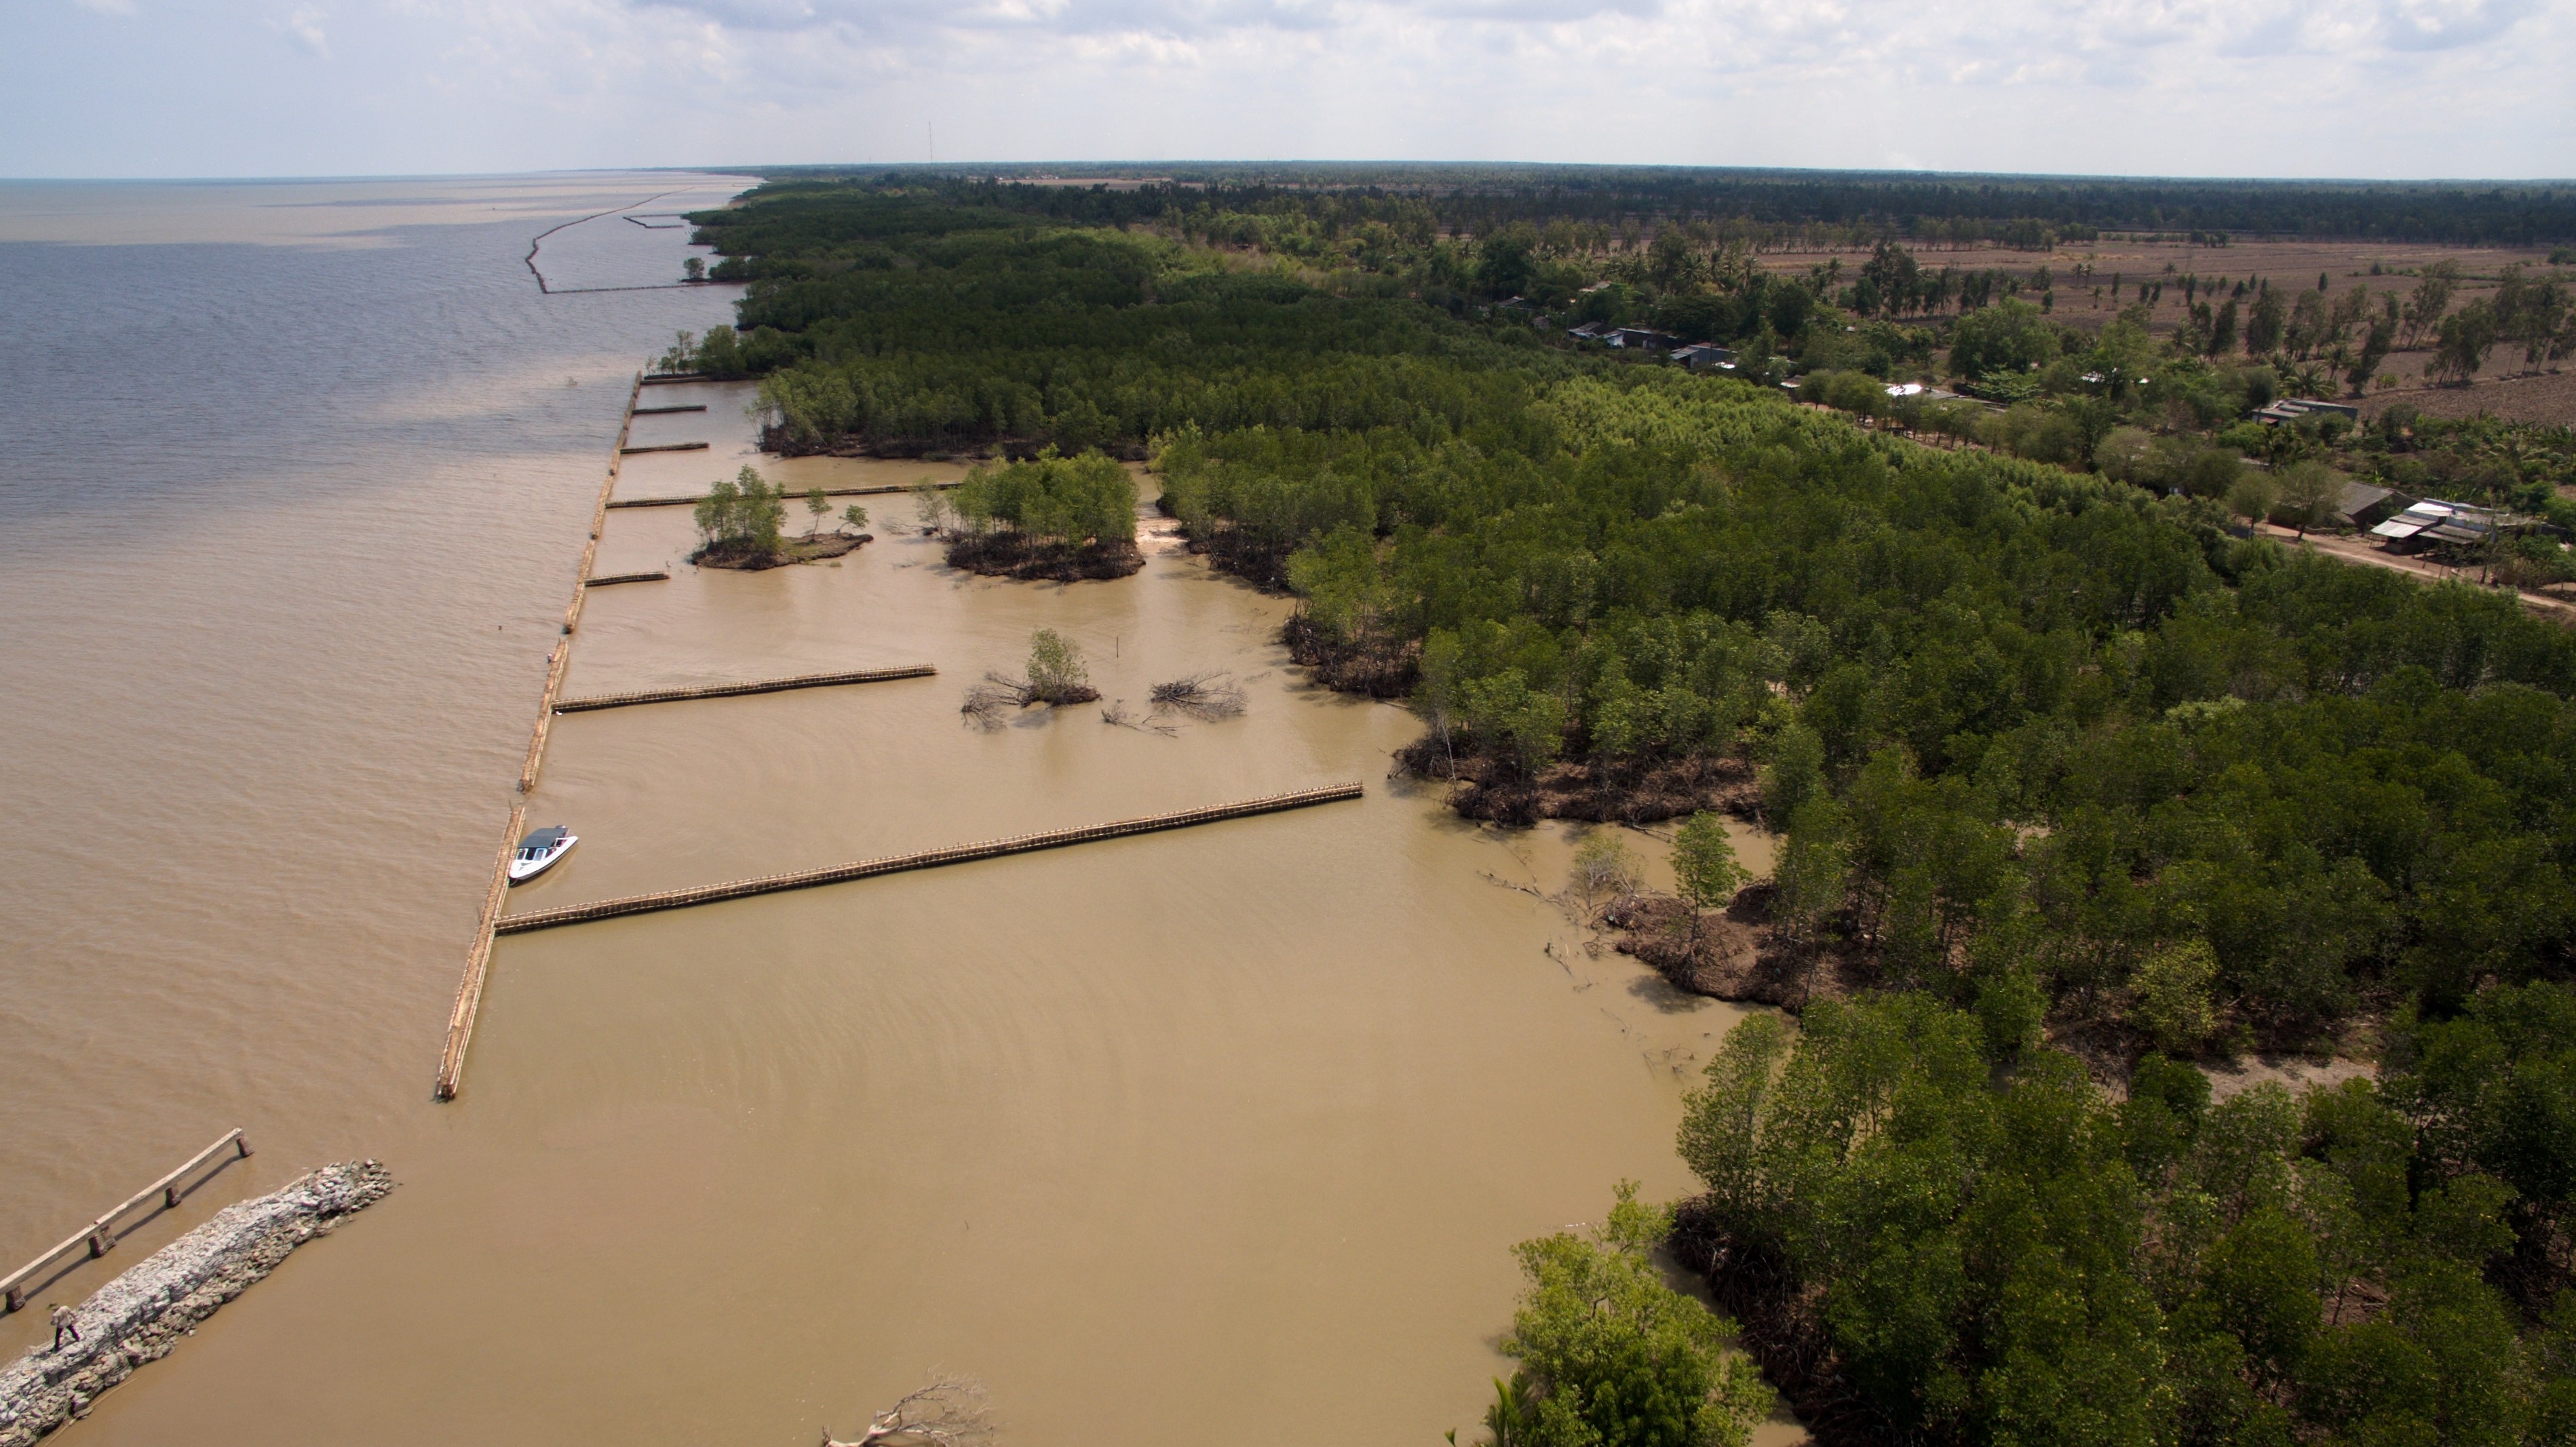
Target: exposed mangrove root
788 441
1378 667
1619 792
751 558
1739 953
950 1411
1015 555
1206 696
140 1315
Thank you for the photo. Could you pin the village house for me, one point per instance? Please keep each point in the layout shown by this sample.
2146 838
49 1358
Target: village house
2292 409
2364 506
1640 339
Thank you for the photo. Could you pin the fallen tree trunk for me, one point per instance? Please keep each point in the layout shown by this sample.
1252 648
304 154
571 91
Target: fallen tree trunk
140 1315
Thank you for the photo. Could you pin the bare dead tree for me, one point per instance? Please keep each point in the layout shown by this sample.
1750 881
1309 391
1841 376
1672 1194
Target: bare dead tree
992 702
1205 696
1603 866
948 1411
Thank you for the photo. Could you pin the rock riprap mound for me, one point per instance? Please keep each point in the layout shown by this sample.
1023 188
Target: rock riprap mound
137 1317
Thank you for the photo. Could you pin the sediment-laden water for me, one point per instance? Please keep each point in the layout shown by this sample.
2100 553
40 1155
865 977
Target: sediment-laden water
1218 1135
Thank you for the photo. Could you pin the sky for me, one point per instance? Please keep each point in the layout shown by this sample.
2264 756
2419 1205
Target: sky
2344 88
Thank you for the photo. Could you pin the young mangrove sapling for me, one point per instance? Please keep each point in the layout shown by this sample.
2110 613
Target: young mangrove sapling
1056 675
1704 864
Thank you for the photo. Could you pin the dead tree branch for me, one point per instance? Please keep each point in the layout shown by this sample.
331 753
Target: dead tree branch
1118 714
1206 696
948 1411
992 702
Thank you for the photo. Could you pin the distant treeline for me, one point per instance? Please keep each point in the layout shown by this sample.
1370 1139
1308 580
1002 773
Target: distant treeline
899 323
1809 208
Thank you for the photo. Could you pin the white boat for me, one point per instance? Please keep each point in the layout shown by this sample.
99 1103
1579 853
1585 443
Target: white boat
539 851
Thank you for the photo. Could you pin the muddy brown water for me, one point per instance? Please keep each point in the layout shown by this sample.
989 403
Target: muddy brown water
1223 1134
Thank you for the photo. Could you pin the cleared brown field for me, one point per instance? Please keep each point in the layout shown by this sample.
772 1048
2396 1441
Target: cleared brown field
2498 390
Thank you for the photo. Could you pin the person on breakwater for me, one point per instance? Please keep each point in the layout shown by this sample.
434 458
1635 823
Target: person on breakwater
64 1323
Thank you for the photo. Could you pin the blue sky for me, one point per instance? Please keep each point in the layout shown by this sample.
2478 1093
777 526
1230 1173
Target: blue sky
2434 88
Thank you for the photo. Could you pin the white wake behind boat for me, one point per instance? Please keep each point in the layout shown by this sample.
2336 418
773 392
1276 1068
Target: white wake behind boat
539 851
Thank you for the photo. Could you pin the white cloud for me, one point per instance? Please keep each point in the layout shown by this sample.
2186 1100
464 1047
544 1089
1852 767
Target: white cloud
106 7
304 27
2446 24
2340 87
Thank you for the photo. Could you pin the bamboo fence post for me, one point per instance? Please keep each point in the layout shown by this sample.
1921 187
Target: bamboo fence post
737 690
478 963
562 655
100 1235
924 859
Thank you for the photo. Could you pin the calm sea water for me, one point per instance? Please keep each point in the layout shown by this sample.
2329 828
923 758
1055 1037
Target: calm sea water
1221 1136
290 479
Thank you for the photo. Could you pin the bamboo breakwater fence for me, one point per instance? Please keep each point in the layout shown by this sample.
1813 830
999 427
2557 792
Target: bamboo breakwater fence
666 411
478 963
926 859
737 690
872 490
663 447
614 579
562 654
100 1235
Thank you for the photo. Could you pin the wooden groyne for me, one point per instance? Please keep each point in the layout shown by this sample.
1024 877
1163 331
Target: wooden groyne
478 963
100 1235
614 579
926 859
555 662
562 655
663 447
872 490
666 411
737 690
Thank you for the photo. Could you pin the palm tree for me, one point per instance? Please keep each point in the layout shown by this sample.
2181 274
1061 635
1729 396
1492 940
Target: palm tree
1513 1419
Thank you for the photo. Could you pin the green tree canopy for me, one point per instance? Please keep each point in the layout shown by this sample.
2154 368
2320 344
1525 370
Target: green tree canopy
1611 1356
